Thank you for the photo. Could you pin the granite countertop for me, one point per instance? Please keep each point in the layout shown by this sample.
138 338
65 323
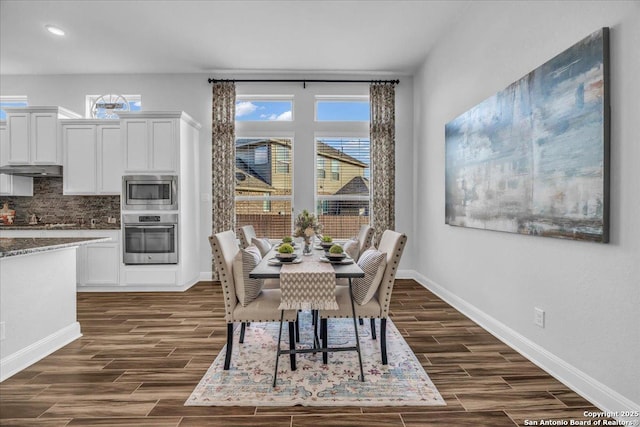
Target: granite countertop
25 245
24 226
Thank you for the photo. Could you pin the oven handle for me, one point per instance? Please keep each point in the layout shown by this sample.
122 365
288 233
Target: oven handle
150 226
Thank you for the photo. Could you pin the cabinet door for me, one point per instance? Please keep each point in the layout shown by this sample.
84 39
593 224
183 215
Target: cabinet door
19 145
79 170
44 139
102 264
164 143
109 160
136 153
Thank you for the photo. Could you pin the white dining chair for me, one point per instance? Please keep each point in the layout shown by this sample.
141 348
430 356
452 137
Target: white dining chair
392 244
263 309
365 237
247 232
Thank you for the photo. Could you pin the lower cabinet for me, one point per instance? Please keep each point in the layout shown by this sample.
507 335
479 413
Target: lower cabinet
97 264
100 264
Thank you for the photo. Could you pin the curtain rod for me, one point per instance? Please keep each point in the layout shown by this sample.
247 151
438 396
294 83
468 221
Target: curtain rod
303 81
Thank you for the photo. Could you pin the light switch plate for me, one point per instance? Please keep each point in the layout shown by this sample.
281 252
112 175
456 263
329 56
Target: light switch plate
538 316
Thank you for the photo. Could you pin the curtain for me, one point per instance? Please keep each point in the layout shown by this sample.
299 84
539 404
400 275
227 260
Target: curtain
223 159
382 139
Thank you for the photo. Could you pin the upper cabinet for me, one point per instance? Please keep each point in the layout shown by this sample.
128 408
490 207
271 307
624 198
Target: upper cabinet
33 135
151 141
92 157
12 185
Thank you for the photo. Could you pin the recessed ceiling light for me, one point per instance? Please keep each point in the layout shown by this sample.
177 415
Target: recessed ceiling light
54 30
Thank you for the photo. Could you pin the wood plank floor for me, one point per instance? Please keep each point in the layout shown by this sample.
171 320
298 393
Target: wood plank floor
142 354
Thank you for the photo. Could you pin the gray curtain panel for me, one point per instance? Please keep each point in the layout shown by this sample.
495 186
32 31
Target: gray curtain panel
382 136
223 159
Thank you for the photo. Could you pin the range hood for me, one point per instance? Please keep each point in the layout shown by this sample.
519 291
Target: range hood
32 170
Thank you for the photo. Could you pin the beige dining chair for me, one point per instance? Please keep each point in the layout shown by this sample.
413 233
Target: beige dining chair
247 232
263 309
365 237
392 243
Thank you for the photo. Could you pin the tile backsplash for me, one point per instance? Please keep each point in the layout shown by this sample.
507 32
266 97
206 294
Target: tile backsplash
50 206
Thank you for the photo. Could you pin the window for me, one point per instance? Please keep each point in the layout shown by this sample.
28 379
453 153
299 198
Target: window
283 159
343 200
335 170
252 109
11 102
261 155
275 182
103 106
342 110
263 192
322 173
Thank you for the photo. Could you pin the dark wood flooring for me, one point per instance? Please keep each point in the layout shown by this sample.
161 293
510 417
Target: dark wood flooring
142 354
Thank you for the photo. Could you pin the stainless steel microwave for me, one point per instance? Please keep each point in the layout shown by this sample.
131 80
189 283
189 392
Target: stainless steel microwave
150 192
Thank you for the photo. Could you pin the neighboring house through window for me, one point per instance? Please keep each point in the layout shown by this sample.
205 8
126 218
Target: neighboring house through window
280 136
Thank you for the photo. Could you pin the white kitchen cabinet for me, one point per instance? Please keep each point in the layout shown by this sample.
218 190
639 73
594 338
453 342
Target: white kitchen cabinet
33 135
97 264
11 185
151 142
109 159
92 157
101 264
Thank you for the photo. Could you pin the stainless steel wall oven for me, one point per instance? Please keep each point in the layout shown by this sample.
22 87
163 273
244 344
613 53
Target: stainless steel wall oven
150 238
150 192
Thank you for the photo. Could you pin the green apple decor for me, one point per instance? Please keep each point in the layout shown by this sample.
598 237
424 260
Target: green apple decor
285 248
336 250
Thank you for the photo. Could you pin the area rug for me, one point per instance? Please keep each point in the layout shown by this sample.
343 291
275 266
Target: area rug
248 382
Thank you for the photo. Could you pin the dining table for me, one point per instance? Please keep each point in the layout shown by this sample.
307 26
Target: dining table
308 271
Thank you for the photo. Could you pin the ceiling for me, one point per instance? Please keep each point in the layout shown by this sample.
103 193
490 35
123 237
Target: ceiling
170 36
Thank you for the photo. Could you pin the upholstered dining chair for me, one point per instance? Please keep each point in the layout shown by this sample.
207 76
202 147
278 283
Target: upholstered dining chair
247 232
264 308
365 237
392 244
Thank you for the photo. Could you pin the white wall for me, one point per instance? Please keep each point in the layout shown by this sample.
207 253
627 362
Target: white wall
590 291
192 93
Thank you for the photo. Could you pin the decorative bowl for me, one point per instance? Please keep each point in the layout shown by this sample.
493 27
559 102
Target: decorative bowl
286 257
335 257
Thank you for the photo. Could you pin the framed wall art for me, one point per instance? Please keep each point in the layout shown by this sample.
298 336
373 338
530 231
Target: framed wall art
534 158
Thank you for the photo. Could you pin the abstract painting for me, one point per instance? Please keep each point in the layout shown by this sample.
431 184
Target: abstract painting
534 158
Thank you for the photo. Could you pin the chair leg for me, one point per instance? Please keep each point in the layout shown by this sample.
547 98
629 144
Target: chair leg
227 357
243 326
325 340
298 326
361 320
373 328
292 343
383 340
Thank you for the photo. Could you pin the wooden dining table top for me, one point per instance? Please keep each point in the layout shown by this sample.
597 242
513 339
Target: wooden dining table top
266 271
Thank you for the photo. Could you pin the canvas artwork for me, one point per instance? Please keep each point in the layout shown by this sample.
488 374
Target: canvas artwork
533 159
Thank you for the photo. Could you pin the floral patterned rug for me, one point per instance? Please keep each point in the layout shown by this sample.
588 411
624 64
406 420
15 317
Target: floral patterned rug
403 382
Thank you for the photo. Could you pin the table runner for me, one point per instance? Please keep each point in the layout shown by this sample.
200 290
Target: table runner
309 285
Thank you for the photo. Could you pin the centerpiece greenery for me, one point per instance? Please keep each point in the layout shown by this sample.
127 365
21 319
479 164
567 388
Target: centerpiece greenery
306 226
285 248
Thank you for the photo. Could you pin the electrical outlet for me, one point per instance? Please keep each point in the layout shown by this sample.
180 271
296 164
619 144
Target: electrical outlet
538 316
111 220
3 333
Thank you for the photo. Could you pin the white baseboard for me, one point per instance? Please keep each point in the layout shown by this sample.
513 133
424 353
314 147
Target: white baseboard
139 288
594 391
21 359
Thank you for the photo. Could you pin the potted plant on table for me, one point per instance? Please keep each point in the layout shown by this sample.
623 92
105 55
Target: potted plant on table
285 253
306 226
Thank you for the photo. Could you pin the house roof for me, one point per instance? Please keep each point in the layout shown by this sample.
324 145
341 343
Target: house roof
328 151
358 185
245 181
